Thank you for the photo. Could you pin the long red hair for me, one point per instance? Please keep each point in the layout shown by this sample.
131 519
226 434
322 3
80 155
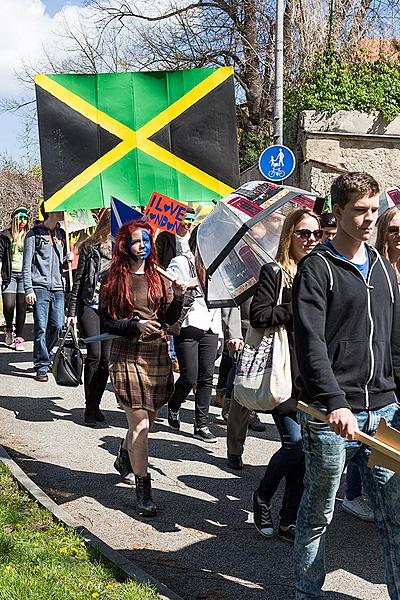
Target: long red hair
117 292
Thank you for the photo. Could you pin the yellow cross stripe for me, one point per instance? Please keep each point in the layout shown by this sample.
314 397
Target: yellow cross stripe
88 174
184 167
131 139
85 108
191 97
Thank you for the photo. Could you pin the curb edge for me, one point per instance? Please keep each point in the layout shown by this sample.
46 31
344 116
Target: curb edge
126 566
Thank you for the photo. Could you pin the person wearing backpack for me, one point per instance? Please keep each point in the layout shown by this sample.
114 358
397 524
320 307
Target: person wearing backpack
42 271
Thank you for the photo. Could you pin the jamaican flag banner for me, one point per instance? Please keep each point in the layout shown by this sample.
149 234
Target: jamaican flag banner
128 134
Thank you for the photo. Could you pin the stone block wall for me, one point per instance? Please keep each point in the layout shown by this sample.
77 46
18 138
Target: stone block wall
328 145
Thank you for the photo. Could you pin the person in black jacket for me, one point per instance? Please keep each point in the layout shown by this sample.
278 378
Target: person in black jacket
95 255
346 324
300 234
12 285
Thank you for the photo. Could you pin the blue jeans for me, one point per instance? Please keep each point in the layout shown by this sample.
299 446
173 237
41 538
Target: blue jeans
48 316
288 463
326 457
353 482
172 353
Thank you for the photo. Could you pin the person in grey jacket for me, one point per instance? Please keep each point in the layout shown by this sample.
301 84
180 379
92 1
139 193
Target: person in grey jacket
42 273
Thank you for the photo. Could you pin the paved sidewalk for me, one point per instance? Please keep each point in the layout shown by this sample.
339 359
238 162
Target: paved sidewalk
202 545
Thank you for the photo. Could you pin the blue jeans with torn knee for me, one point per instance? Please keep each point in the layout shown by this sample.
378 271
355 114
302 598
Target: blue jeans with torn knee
326 455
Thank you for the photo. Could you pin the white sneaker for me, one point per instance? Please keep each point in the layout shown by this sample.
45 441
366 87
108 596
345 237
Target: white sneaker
19 344
9 337
359 508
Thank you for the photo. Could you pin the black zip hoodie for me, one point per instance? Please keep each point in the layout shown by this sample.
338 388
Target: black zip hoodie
347 331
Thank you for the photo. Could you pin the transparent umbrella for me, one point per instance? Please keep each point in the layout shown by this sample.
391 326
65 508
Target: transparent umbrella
239 236
389 198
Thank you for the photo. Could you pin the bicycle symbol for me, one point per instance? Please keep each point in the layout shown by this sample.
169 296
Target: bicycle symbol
276 172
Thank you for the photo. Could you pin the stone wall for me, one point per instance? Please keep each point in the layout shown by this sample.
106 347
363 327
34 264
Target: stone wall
346 141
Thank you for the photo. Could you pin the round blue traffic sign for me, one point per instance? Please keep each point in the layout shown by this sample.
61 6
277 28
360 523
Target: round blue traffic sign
277 162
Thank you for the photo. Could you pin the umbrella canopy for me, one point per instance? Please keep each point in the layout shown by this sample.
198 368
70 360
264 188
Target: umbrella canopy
389 198
239 236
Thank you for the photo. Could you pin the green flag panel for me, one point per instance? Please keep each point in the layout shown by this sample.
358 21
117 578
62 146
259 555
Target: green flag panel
121 134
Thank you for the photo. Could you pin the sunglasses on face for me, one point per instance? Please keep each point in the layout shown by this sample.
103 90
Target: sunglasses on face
305 234
394 229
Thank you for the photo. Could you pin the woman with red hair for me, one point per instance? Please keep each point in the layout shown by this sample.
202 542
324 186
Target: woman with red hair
136 304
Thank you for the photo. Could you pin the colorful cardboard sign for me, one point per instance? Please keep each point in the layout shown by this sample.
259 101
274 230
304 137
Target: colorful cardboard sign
78 220
126 134
164 213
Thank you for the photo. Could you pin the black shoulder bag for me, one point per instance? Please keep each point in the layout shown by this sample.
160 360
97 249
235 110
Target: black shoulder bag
68 361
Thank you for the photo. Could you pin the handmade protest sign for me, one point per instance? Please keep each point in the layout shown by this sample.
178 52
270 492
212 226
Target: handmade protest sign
126 134
165 213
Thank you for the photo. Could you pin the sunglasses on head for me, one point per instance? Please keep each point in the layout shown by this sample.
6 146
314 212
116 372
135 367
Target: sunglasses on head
305 234
394 229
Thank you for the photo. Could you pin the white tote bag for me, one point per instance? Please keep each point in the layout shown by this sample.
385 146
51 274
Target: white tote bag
263 377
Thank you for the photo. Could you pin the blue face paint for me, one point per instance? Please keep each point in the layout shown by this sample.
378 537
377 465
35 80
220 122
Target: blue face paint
146 241
146 247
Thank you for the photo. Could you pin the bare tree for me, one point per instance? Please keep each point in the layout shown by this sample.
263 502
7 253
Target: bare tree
241 33
18 186
124 35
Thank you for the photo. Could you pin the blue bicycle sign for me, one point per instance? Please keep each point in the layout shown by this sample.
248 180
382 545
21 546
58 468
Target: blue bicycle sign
277 163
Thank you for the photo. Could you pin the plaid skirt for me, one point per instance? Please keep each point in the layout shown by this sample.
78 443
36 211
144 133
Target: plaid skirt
141 372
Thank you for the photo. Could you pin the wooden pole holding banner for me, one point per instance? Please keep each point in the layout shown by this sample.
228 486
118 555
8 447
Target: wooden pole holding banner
70 277
68 246
385 445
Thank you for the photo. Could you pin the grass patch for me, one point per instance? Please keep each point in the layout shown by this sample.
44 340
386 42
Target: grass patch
42 560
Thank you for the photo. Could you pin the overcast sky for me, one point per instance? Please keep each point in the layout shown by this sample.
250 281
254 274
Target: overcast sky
25 27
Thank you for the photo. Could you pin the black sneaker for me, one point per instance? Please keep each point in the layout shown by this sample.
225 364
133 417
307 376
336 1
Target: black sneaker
122 464
204 434
235 462
287 533
255 423
262 517
174 419
41 376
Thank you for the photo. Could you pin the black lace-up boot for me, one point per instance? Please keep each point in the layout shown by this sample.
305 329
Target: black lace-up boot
145 504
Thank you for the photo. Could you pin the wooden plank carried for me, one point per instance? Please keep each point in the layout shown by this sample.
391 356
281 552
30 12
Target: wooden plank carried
385 445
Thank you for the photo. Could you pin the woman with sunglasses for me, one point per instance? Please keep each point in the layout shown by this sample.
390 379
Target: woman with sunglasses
388 238
12 287
300 234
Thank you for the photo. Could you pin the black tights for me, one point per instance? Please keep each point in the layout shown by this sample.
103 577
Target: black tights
96 364
15 302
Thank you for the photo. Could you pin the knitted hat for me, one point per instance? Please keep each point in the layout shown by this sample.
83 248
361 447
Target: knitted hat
20 211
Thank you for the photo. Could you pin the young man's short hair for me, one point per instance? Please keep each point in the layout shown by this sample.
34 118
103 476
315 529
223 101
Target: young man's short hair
352 186
327 220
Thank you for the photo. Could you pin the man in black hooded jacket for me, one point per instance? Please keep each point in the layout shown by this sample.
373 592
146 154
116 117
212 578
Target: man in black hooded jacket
347 337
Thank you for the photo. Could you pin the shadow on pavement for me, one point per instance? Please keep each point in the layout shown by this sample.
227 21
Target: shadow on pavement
230 560
49 408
